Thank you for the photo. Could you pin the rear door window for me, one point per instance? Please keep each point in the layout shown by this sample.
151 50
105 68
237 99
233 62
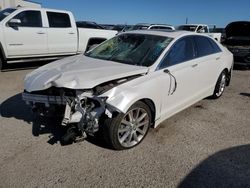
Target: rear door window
215 46
58 20
205 46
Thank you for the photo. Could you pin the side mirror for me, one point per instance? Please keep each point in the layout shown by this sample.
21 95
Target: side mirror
166 71
14 22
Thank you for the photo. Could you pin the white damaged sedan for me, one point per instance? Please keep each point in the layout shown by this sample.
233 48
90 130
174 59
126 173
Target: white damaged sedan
129 83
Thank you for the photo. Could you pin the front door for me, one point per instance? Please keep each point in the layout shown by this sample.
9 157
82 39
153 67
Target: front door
180 66
29 37
209 67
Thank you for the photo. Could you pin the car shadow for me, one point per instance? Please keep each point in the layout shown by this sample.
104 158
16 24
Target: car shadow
227 168
15 107
245 94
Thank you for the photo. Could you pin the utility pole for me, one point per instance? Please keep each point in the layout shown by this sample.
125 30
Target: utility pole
186 20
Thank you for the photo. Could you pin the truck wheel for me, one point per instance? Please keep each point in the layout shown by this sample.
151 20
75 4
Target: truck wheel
1 64
125 131
220 86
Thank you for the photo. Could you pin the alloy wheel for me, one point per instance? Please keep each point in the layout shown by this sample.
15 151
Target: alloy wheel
133 127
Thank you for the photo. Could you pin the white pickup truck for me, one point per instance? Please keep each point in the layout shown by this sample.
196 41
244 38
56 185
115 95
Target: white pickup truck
31 34
200 28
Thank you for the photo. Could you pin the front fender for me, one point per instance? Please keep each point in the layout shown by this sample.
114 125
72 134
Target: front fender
123 98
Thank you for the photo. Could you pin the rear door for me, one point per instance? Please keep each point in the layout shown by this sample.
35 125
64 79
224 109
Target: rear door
209 63
62 33
29 38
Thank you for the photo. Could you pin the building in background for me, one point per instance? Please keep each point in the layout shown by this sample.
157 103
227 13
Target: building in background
15 3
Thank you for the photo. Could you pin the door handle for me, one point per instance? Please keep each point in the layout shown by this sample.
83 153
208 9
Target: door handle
217 58
71 33
175 82
40 33
194 65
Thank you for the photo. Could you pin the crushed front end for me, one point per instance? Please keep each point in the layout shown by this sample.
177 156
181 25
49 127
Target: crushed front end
80 110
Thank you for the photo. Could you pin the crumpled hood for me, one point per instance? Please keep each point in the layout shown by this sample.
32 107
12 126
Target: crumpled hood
78 72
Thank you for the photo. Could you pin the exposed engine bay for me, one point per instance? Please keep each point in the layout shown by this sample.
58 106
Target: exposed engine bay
80 110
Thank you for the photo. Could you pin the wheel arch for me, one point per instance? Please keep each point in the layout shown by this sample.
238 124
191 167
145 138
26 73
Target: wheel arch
123 107
228 74
2 53
2 57
150 103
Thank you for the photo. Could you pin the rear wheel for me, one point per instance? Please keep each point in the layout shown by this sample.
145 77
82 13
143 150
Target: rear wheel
220 85
128 130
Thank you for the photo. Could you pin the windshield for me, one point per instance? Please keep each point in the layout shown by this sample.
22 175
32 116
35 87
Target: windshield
187 27
132 49
6 12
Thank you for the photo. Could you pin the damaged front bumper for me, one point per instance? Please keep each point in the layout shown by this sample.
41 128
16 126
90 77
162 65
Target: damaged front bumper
83 110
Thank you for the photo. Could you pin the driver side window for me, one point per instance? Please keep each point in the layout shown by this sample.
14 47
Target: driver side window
181 51
29 18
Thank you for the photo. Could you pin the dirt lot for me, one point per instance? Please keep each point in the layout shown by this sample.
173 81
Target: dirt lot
207 145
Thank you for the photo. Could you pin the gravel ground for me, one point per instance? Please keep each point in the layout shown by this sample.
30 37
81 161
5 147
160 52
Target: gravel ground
206 145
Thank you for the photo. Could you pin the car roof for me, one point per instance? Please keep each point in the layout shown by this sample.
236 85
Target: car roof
166 33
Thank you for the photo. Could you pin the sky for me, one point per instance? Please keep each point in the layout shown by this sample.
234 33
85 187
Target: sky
175 12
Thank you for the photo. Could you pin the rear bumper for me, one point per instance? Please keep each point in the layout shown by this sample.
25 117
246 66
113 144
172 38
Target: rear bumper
241 56
240 64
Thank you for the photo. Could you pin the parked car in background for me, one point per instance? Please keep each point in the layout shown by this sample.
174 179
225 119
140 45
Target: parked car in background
108 26
200 28
144 26
238 42
37 34
130 83
88 24
219 30
122 28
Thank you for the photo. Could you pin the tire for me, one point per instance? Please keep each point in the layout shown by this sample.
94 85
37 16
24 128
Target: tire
220 85
121 133
1 64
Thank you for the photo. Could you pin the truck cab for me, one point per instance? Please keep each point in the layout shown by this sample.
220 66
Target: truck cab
197 28
28 34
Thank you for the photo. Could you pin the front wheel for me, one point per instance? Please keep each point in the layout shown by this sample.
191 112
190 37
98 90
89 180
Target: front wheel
220 85
128 130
